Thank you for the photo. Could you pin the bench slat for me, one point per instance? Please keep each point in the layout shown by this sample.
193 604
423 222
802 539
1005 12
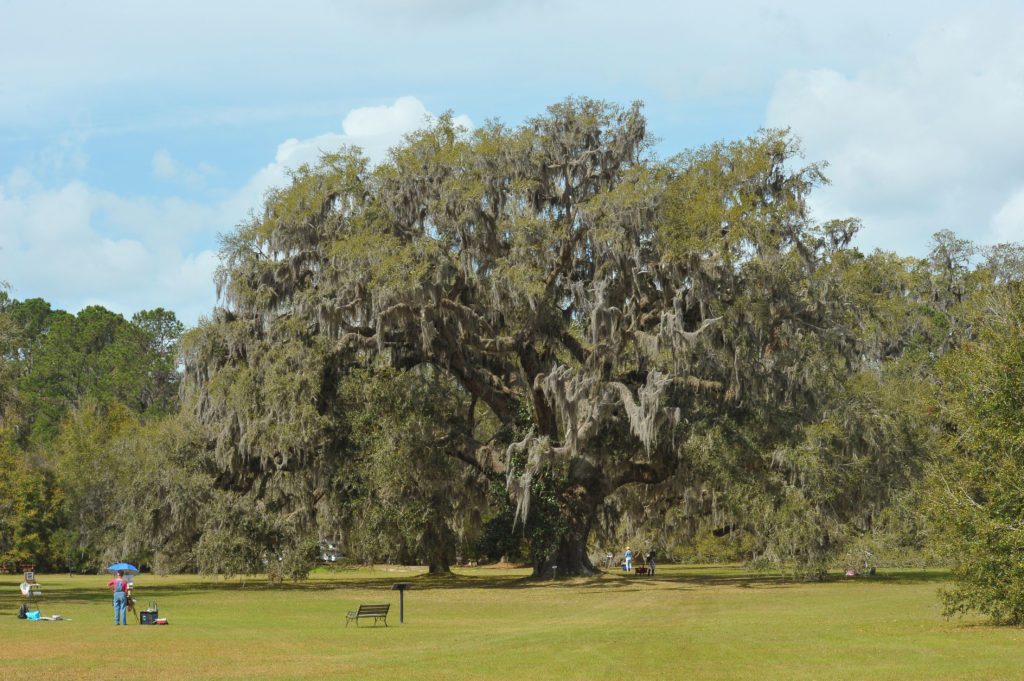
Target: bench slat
377 611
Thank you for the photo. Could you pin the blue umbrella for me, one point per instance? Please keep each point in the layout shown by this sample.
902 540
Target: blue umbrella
126 568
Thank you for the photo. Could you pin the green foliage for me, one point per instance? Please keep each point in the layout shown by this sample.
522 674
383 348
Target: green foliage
94 471
732 546
167 494
30 509
417 502
74 391
96 355
500 537
598 313
977 501
10 339
157 338
242 536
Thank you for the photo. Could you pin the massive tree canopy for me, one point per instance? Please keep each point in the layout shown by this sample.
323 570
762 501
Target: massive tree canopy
613 319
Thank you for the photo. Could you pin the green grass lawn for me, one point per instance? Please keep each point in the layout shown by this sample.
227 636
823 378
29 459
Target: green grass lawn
686 622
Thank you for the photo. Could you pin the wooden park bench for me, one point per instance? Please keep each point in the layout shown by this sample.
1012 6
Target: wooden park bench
377 612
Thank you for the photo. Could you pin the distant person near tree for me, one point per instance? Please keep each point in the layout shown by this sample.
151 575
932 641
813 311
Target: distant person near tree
628 564
650 561
120 586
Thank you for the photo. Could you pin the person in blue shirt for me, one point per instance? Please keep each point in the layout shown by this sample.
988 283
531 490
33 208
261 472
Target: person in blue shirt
628 565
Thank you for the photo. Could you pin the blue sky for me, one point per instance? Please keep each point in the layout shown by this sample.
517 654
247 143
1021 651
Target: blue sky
133 133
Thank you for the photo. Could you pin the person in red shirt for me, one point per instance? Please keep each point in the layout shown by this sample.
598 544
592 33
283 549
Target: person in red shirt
120 586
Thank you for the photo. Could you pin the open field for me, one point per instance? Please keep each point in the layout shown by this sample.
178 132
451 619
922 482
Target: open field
686 622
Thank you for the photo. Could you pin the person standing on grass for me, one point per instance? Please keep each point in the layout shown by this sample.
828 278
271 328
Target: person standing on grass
650 561
120 586
629 560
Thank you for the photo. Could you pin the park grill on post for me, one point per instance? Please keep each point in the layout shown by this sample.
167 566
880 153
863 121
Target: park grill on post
401 588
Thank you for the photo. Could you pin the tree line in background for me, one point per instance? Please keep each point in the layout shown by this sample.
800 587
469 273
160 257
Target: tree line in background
536 343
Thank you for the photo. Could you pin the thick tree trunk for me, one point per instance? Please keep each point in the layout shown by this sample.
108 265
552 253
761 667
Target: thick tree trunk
439 541
440 567
569 556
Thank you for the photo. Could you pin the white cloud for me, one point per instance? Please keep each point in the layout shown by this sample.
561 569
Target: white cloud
164 166
373 129
925 140
76 245
1008 222
383 122
86 56
66 59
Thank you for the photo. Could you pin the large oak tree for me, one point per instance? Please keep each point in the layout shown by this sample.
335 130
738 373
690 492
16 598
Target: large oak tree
612 318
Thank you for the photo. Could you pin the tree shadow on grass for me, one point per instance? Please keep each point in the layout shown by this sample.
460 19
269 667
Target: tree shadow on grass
691 578
479 579
905 576
149 588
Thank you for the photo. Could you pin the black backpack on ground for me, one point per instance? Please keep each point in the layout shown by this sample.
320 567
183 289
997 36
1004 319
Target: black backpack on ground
22 613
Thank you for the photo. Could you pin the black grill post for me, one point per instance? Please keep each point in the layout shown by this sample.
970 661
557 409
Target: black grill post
401 588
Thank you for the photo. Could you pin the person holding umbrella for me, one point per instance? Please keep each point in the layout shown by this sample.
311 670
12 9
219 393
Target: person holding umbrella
121 587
